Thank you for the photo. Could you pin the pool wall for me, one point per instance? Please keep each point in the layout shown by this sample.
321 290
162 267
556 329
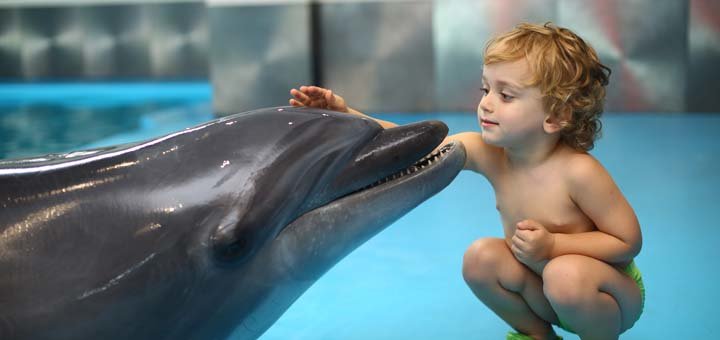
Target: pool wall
393 55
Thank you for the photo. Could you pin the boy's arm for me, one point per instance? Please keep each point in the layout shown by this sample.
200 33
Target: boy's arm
385 124
318 97
479 155
618 238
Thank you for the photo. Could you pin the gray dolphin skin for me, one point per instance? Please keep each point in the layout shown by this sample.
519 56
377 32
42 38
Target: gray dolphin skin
207 233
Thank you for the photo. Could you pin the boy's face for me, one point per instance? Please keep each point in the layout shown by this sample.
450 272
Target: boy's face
510 113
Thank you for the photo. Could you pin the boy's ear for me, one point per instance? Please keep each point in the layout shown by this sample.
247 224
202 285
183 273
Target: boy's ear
555 123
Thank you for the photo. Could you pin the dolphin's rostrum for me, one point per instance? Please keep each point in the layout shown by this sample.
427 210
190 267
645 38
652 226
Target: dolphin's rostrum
207 232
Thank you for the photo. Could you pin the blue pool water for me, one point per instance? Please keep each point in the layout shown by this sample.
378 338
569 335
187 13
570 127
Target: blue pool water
405 283
49 118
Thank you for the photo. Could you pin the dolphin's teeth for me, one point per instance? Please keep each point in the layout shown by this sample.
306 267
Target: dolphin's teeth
423 163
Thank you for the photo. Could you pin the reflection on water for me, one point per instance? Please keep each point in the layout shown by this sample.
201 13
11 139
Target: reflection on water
47 128
43 119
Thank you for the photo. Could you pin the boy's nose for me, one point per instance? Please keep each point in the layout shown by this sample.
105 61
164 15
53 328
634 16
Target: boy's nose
484 105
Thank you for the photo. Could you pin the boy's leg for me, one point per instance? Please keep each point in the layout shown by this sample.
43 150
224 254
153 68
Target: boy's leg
507 287
593 298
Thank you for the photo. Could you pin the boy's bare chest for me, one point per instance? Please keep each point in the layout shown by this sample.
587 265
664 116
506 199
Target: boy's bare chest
544 199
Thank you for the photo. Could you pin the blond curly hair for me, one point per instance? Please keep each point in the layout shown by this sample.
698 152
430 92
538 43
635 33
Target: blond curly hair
568 72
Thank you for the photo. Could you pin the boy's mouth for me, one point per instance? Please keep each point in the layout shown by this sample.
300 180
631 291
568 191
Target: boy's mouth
487 122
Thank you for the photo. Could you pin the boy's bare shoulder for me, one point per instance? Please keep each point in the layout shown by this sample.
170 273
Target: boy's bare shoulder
582 167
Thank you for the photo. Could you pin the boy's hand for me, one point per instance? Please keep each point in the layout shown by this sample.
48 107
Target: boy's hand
532 244
318 97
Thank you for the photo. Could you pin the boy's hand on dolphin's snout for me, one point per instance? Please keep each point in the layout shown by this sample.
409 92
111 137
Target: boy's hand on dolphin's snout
317 97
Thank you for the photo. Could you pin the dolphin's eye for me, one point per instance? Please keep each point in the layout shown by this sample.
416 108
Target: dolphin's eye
232 249
236 248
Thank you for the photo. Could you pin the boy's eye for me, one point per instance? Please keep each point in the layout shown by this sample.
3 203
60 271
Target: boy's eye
506 96
484 90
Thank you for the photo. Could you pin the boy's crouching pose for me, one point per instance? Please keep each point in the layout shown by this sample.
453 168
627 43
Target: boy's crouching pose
570 235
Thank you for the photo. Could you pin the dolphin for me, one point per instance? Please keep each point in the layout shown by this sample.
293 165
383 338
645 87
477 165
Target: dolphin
206 233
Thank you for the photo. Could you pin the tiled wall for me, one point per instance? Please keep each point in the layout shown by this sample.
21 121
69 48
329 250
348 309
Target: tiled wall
393 55
119 41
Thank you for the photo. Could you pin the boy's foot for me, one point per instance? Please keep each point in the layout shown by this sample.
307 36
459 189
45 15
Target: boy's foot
519 336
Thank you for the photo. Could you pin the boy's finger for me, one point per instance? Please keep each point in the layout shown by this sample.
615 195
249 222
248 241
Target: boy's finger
524 238
294 102
526 225
516 251
520 235
314 90
300 96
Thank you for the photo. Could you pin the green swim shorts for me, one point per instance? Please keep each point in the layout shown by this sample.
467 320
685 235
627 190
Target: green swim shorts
632 271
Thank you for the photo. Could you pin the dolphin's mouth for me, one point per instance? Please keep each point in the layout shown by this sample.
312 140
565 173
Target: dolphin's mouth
319 238
428 161
396 153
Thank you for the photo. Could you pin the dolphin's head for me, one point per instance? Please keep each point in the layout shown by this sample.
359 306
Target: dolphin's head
307 159
327 185
279 164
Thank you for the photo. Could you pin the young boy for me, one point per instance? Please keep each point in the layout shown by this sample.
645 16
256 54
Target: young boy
570 235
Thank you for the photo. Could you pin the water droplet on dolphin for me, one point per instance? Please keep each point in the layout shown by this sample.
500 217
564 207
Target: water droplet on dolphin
224 164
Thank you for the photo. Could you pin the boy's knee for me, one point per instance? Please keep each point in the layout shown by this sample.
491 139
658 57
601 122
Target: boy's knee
480 259
564 282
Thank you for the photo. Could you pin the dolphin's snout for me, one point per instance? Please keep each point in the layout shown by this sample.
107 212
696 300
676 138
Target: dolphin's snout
389 152
401 143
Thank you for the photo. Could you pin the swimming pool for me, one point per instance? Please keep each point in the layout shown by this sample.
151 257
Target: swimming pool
405 283
52 118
